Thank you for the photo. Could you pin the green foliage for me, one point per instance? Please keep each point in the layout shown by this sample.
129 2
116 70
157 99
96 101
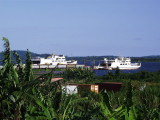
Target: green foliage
142 76
28 67
79 75
25 97
20 68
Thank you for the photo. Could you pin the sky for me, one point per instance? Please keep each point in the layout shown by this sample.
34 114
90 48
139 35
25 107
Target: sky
82 27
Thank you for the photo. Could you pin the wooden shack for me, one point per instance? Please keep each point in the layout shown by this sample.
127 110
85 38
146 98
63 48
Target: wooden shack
98 87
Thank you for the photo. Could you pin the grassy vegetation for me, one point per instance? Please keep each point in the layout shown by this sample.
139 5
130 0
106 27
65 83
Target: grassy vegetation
24 96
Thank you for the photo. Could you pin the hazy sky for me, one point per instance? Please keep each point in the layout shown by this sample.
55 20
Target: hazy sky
82 27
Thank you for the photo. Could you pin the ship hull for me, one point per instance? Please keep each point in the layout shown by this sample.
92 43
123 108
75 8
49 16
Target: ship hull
127 68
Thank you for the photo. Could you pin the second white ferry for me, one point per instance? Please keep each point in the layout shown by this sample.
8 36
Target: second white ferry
121 62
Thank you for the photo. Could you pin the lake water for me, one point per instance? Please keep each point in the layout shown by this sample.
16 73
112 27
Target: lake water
145 66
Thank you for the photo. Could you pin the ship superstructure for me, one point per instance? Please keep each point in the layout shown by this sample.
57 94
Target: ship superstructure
53 60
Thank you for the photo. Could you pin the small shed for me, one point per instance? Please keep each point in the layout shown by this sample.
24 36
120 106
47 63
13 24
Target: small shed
97 87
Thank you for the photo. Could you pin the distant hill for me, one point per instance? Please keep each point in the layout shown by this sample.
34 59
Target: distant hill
90 57
134 59
152 56
22 54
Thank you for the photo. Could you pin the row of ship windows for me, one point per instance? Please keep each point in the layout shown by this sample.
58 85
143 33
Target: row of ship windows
60 58
124 64
58 61
125 61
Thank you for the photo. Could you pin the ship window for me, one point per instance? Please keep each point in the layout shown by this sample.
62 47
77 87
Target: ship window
109 64
35 62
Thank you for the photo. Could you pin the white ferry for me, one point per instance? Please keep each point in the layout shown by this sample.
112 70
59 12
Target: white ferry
52 60
121 62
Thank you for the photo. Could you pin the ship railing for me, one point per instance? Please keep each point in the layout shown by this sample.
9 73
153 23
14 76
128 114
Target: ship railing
135 64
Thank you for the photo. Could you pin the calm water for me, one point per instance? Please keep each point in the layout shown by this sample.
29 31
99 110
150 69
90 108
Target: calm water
145 66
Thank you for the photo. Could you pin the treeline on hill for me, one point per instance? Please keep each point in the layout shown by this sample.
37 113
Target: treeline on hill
22 55
26 97
134 59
